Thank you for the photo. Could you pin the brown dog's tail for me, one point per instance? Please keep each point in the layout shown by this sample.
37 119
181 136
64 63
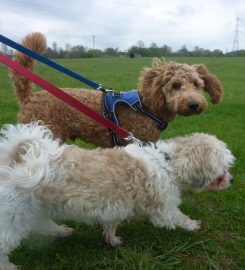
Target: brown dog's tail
35 42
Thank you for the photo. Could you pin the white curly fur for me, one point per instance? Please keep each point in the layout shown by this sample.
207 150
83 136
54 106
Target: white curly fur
34 146
41 180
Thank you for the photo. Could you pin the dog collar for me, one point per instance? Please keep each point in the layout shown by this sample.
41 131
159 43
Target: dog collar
166 155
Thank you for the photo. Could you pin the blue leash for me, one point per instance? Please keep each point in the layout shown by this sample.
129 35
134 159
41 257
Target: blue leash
50 63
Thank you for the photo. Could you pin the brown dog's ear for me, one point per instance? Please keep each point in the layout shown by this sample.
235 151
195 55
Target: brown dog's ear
211 83
150 88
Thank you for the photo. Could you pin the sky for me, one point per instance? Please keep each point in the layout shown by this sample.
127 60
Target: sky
208 24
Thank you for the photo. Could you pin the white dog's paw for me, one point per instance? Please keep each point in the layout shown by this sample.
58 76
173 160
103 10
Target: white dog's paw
115 241
63 231
191 225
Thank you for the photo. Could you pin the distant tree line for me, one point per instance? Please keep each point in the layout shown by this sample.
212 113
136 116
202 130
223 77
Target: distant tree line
138 50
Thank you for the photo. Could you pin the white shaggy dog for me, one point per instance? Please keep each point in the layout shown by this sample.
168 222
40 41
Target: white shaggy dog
41 180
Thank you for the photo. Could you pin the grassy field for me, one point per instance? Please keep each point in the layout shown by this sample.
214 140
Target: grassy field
220 244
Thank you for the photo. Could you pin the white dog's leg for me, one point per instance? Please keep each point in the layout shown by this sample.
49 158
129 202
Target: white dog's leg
173 217
190 224
12 231
48 227
110 235
5 264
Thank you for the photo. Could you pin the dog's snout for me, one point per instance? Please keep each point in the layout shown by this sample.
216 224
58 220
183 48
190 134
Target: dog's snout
193 105
232 180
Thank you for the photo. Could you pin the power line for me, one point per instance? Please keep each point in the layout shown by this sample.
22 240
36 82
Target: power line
235 46
31 6
93 37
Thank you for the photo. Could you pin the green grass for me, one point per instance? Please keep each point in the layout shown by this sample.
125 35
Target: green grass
220 242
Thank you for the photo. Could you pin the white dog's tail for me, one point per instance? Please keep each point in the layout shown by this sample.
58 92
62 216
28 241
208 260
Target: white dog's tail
26 152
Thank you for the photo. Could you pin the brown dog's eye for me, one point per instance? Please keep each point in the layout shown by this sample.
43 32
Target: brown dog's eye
176 86
196 84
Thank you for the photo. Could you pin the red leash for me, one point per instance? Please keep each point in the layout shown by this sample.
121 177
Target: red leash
66 98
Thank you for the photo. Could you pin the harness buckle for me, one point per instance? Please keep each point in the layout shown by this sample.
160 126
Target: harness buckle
116 95
109 90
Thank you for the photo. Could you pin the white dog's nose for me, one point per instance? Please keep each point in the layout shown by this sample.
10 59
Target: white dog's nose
231 179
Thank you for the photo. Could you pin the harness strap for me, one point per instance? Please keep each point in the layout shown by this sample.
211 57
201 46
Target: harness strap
161 125
66 98
108 115
49 62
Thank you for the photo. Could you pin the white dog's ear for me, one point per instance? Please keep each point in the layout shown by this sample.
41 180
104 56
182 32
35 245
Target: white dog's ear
197 164
212 85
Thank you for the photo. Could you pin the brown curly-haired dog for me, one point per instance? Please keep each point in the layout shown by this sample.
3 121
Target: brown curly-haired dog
167 89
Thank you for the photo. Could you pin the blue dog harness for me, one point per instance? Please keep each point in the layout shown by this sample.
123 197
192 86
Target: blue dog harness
131 98
112 99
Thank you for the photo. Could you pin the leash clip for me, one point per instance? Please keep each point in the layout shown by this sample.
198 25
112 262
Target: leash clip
101 88
132 138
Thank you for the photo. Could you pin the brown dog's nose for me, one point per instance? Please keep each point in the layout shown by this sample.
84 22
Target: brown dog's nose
193 105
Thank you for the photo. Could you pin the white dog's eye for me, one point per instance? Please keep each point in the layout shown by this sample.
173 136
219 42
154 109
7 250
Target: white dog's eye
225 171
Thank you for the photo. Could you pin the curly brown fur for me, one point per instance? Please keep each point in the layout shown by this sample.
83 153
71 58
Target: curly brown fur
167 89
